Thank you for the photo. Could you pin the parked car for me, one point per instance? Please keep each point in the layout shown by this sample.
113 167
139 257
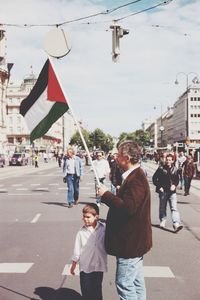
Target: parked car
2 160
18 159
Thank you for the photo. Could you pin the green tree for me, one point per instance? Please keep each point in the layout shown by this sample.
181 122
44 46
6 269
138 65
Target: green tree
100 140
76 138
139 136
94 140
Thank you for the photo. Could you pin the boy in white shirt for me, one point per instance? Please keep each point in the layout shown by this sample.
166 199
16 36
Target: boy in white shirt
90 252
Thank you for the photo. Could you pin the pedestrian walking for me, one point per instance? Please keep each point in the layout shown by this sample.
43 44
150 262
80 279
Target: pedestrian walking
89 252
128 225
188 173
179 164
102 168
36 159
73 170
115 174
166 180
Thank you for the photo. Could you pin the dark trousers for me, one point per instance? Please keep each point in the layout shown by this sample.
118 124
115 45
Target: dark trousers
187 182
91 285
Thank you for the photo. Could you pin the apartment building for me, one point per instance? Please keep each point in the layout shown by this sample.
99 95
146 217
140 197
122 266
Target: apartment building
3 82
181 123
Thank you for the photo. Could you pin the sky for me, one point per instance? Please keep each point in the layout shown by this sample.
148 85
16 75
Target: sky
163 43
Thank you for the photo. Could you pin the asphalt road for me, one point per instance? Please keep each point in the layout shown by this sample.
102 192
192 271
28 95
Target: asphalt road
37 234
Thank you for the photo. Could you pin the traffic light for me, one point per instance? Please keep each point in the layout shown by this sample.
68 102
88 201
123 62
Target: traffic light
117 33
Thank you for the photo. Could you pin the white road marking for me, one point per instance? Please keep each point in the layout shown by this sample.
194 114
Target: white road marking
64 188
32 194
15 267
85 188
35 184
54 184
164 272
154 271
36 218
17 184
22 189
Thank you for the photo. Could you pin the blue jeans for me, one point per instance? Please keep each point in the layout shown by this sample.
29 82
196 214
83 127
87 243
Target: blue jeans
130 279
73 188
91 285
172 199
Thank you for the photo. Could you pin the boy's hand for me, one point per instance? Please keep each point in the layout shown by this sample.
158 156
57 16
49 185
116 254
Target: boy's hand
73 267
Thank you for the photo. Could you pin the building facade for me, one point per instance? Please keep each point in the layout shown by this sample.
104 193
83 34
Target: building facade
4 76
18 135
181 123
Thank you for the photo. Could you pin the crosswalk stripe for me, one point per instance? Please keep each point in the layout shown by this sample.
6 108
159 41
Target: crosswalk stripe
15 267
152 271
149 271
36 218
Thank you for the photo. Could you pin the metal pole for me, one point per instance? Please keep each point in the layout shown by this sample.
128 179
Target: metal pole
77 124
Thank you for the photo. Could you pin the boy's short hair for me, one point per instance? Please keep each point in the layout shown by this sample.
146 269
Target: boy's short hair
91 208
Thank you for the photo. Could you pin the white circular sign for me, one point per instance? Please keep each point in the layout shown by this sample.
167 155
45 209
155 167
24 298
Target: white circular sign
56 43
162 128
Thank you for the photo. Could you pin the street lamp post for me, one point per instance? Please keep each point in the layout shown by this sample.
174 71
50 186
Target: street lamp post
161 128
187 102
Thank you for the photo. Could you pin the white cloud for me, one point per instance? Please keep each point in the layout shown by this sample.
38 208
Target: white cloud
113 96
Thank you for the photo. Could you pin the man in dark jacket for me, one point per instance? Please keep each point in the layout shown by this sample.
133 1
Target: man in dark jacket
188 173
128 226
166 180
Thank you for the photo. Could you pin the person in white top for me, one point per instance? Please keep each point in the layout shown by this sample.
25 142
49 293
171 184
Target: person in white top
89 252
102 169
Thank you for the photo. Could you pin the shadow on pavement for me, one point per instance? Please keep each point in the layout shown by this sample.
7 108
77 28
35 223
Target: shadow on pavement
56 203
163 229
84 202
183 202
47 293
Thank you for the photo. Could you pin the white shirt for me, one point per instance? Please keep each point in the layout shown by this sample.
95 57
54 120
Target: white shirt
71 165
89 249
102 167
125 174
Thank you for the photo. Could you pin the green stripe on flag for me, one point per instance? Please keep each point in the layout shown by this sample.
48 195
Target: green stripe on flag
57 110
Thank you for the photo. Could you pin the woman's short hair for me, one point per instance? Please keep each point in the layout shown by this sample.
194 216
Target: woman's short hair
132 150
91 208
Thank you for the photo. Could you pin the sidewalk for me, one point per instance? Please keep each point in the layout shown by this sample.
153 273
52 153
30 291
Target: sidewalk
153 165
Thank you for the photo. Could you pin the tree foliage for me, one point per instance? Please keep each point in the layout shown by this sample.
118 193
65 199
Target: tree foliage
96 139
139 136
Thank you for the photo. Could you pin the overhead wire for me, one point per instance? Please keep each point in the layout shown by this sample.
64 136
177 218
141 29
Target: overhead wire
106 12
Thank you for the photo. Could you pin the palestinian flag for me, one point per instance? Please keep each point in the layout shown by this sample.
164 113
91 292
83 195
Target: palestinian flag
45 104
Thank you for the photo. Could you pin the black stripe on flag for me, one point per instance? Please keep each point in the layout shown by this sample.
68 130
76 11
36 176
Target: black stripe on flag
37 90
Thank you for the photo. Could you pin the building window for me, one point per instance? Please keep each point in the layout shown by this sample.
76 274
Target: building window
191 115
191 98
11 140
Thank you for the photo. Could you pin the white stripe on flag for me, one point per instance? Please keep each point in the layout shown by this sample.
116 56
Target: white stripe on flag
38 111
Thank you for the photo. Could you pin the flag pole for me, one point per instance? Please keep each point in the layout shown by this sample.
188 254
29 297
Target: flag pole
77 125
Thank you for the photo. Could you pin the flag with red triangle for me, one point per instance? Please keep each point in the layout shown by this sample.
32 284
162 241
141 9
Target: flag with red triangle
45 104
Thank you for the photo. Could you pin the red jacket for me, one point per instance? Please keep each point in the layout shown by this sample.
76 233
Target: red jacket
128 225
